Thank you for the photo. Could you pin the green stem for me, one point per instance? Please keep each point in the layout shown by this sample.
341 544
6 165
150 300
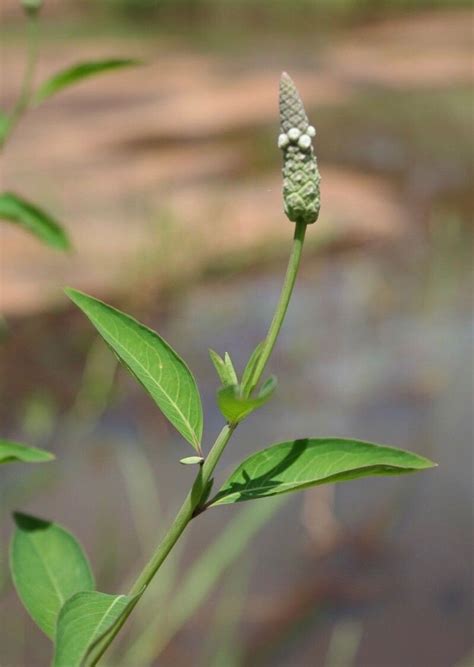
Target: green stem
176 529
282 307
185 514
24 98
194 497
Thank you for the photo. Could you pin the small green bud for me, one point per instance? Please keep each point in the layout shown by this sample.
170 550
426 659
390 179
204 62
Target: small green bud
32 6
300 171
192 460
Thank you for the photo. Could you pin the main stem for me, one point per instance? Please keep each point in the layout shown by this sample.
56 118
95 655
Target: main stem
175 531
203 478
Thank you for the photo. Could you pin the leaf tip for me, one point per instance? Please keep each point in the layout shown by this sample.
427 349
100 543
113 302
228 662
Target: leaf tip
73 294
62 241
67 246
45 456
29 523
428 463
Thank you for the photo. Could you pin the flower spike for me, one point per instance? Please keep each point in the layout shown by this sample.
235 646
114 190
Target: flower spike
301 178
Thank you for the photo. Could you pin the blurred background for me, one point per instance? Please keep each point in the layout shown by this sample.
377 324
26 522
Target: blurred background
167 177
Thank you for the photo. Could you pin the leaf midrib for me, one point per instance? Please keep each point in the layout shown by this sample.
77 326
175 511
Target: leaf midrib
95 633
312 480
49 573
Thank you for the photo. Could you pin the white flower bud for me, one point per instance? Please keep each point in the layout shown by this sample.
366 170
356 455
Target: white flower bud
294 134
304 142
283 140
311 131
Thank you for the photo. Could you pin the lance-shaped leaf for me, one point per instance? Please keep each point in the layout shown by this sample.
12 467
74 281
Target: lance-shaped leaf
152 361
78 73
224 368
83 621
236 407
34 219
298 464
15 451
48 566
248 382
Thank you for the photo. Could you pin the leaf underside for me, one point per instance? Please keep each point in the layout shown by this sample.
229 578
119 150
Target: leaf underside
298 464
35 220
83 621
11 452
48 566
157 367
78 73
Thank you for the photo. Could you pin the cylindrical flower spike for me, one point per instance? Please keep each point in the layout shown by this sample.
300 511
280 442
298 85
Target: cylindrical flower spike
300 171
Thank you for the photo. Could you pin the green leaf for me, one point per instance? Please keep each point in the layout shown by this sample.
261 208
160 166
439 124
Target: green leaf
298 464
37 221
235 407
152 361
225 369
78 73
230 368
14 451
249 371
83 621
48 566
221 368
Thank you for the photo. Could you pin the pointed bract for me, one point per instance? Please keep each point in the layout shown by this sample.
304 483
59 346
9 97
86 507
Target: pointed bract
292 113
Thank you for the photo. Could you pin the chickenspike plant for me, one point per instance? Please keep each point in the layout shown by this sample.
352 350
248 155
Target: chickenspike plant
50 571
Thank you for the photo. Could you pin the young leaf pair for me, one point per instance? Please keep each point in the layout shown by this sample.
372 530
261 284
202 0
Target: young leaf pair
233 398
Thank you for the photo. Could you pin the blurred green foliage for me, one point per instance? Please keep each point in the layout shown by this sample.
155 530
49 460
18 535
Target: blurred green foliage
329 9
